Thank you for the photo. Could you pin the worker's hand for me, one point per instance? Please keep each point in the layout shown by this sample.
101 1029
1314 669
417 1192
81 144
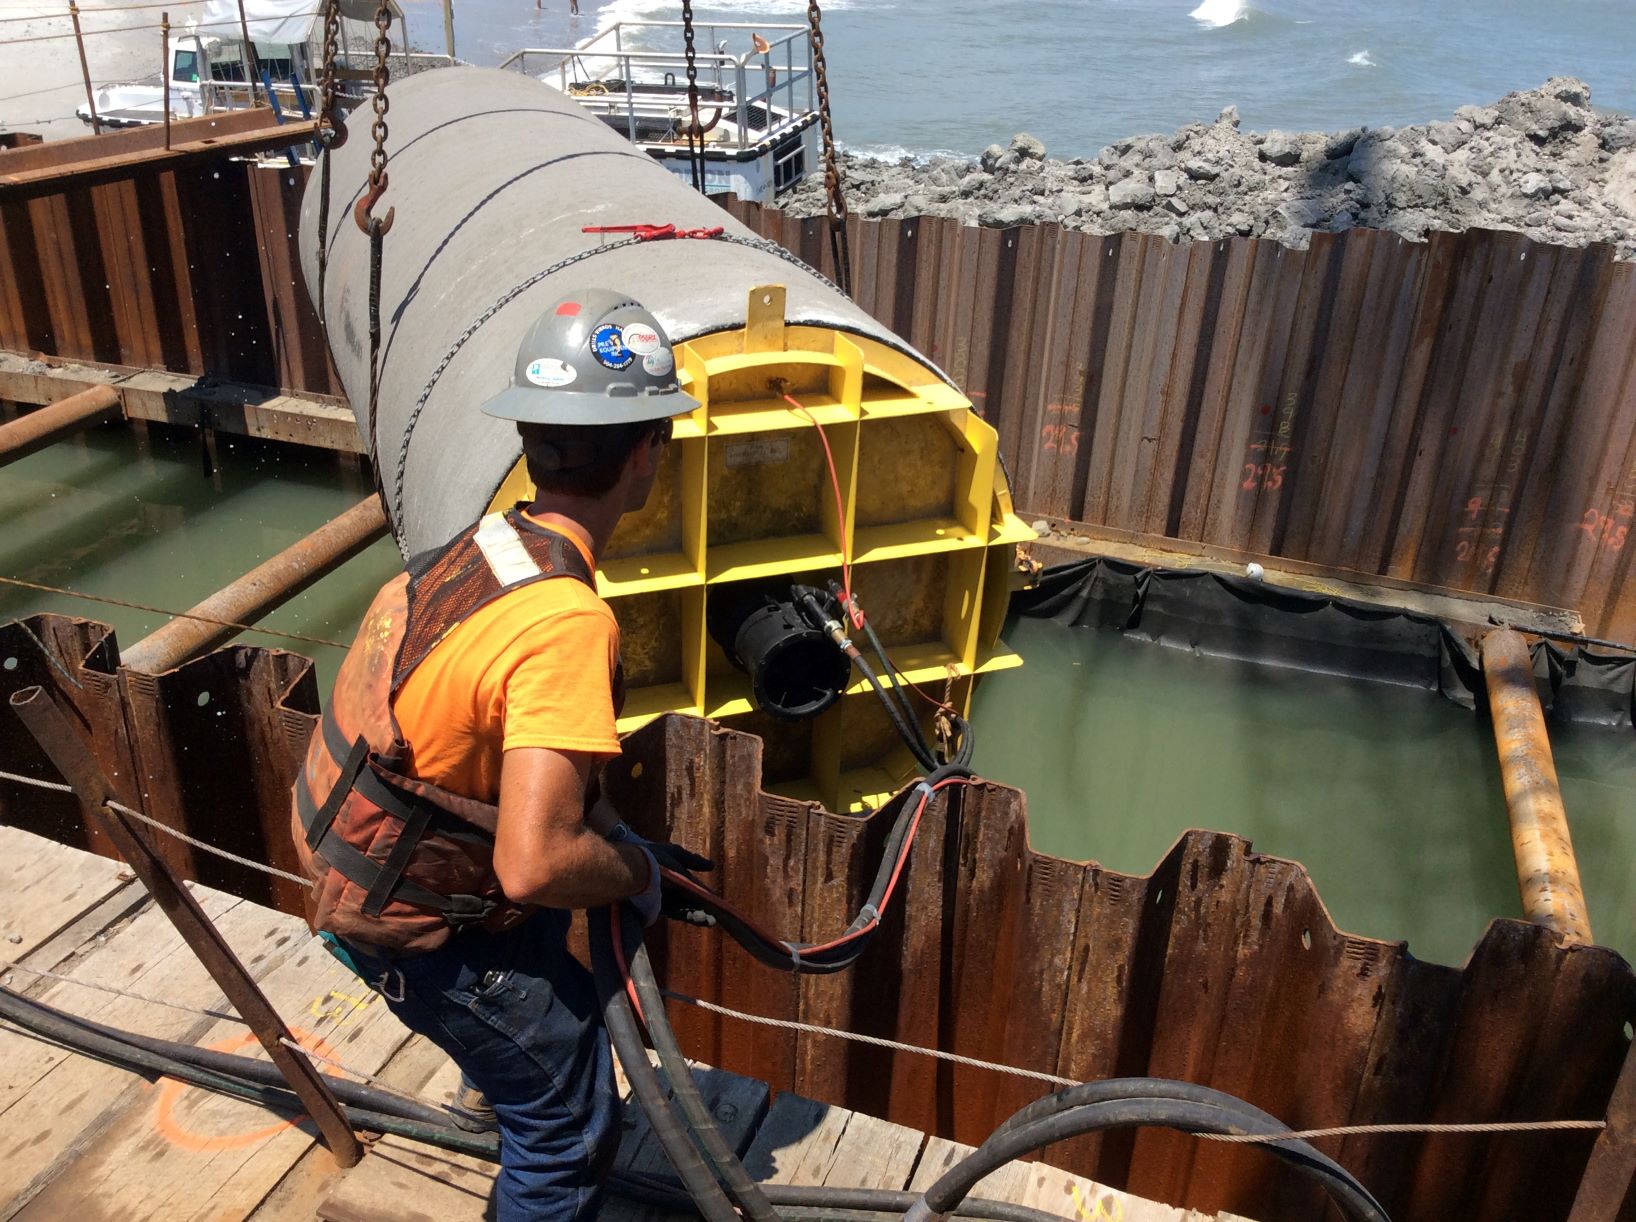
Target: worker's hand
647 900
670 856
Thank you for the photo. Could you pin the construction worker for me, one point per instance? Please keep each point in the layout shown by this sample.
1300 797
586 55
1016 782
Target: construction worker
442 810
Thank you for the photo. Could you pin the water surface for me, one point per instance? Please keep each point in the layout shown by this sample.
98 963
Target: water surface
1389 796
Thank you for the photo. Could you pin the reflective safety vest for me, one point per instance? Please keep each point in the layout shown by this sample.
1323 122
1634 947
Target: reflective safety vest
400 864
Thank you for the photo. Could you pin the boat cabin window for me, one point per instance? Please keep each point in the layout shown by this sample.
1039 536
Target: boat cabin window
185 66
227 69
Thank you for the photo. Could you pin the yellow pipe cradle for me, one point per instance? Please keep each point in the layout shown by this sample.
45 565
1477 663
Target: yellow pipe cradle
744 494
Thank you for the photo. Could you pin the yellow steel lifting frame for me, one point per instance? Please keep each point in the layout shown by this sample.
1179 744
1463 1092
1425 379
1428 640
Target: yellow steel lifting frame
745 495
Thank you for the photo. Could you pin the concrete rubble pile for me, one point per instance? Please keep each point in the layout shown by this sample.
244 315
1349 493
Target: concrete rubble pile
1541 161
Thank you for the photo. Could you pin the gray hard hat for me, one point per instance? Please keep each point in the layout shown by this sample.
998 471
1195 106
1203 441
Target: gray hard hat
596 357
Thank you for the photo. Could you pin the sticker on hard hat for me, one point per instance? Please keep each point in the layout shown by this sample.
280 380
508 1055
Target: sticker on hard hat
641 339
549 371
608 346
659 363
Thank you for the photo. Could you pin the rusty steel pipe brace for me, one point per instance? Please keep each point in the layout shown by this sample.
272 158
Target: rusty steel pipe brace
69 753
257 592
38 429
1547 871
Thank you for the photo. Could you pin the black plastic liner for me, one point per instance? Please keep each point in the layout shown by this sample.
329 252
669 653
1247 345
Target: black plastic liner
1239 617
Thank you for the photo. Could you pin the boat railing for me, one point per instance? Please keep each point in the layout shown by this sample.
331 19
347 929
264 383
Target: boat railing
773 90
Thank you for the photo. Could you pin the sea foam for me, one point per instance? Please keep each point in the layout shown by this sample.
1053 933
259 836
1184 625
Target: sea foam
1361 59
1217 13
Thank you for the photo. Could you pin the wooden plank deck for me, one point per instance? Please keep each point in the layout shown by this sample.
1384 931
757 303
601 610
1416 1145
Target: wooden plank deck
80 1138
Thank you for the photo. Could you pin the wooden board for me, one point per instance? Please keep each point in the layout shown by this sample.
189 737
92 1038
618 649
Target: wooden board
803 1142
1005 1184
402 1179
44 886
182 399
202 1153
53 1102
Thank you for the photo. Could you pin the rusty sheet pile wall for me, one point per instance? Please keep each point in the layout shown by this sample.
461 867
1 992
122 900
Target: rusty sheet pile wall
1220 967
1459 413
190 270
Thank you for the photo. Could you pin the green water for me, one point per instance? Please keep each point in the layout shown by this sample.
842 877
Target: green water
111 513
1389 796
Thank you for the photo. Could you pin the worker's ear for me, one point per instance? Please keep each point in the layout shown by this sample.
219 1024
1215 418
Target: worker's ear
644 457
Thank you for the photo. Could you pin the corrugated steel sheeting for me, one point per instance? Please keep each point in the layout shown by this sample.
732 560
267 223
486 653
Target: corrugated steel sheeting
189 270
1220 967
1459 413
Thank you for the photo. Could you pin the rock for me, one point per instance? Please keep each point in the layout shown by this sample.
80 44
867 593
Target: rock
1449 136
1281 148
1301 213
1539 116
884 205
1618 135
975 183
1006 216
1040 526
1133 192
14 938
1341 144
1568 89
1027 148
1534 186
1228 117
1539 161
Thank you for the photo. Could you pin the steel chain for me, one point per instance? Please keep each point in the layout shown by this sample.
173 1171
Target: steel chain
695 132
381 104
840 247
509 296
326 80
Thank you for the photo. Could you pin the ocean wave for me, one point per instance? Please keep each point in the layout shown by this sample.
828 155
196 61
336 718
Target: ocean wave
1362 60
895 153
1214 14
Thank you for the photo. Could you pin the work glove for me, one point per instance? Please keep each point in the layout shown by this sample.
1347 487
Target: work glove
670 856
649 902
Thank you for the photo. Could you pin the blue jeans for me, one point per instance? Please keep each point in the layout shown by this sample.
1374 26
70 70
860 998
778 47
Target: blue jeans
518 1014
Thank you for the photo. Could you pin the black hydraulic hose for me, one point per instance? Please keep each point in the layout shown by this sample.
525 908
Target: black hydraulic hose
1187 1115
678 1146
744 1190
800 1201
1113 1089
823 620
249 1069
925 758
897 686
65 1030
1106 1089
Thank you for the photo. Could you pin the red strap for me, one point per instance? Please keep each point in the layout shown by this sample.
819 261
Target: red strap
649 233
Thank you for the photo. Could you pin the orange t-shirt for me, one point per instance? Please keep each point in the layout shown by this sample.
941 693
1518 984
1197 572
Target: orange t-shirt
534 668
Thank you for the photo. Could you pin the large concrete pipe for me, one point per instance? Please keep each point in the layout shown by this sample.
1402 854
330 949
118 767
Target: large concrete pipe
1547 871
494 177
880 468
